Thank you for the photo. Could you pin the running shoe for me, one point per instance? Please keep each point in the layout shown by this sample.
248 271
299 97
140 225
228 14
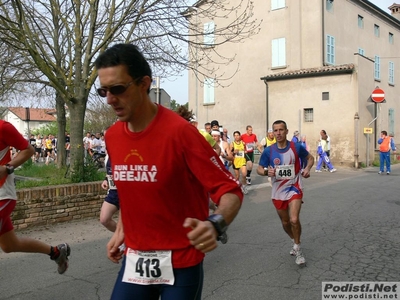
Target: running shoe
380 172
388 173
248 180
293 252
318 171
300 260
62 259
332 170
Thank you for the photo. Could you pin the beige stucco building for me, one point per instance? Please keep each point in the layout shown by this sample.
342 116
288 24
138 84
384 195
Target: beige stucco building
314 64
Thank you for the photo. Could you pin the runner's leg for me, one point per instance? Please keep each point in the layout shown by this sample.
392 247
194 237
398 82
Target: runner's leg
294 212
285 219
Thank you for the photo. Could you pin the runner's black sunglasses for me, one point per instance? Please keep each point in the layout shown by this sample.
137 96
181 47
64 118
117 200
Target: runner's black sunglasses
114 90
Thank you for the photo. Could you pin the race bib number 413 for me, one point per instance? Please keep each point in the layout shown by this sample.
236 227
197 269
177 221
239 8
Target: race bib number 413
148 267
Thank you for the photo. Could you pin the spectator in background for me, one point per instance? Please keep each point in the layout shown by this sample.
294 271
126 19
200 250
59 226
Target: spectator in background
226 136
86 143
323 159
326 146
32 142
38 147
207 127
386 144
296 137
102 143
67 145
207 136
48 148
267 141
303 142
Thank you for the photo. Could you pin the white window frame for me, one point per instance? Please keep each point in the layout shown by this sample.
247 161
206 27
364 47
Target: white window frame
329 5
277 4
360 21
209 93
209 37
278 53
377 30
391 38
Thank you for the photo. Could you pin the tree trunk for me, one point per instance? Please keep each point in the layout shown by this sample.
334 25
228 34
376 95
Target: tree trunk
77 114
62 123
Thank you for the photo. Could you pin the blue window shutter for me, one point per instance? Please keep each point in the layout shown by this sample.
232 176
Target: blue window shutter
377 67
391 72
330 49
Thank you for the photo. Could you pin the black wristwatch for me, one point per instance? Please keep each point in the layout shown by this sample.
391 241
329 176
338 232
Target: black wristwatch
220 226
10 169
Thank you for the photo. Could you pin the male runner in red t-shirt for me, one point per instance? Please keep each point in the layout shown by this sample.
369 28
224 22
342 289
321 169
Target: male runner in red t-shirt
250 139
163 186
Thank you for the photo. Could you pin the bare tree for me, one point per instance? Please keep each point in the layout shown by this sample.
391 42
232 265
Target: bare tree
99 117
20 80
62 38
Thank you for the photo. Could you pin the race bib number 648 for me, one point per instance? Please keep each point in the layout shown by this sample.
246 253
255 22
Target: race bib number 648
148 267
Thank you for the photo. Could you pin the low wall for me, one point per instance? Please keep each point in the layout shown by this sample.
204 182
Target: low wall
56 204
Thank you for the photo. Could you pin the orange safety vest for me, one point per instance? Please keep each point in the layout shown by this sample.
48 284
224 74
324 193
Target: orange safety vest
385 145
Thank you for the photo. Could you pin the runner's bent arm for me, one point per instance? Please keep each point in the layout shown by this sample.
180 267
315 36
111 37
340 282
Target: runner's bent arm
217 149
18 159
310 163
229 155
203 235
113 252
22 156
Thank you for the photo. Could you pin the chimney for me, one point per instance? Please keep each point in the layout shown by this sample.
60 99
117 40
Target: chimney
395 9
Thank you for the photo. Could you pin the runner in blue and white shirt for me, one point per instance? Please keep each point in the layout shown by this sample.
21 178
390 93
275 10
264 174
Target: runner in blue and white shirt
281 162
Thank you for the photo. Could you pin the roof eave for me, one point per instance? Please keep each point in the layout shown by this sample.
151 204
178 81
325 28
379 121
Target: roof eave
305 75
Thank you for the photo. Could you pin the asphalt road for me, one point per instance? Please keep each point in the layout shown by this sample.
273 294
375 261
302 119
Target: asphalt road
350 223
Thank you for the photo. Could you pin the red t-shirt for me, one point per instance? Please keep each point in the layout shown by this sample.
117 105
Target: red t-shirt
250 141
165 174
9 137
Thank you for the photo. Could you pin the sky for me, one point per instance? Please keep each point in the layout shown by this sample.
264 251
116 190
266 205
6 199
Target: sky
177 87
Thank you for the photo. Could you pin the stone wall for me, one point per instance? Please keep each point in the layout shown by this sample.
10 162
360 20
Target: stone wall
59 203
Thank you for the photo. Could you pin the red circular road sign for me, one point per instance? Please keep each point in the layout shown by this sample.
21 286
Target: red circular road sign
378 95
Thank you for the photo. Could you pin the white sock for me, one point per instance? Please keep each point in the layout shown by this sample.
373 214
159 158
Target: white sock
296 246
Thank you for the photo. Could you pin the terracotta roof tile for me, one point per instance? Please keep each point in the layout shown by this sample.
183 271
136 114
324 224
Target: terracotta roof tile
36 114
